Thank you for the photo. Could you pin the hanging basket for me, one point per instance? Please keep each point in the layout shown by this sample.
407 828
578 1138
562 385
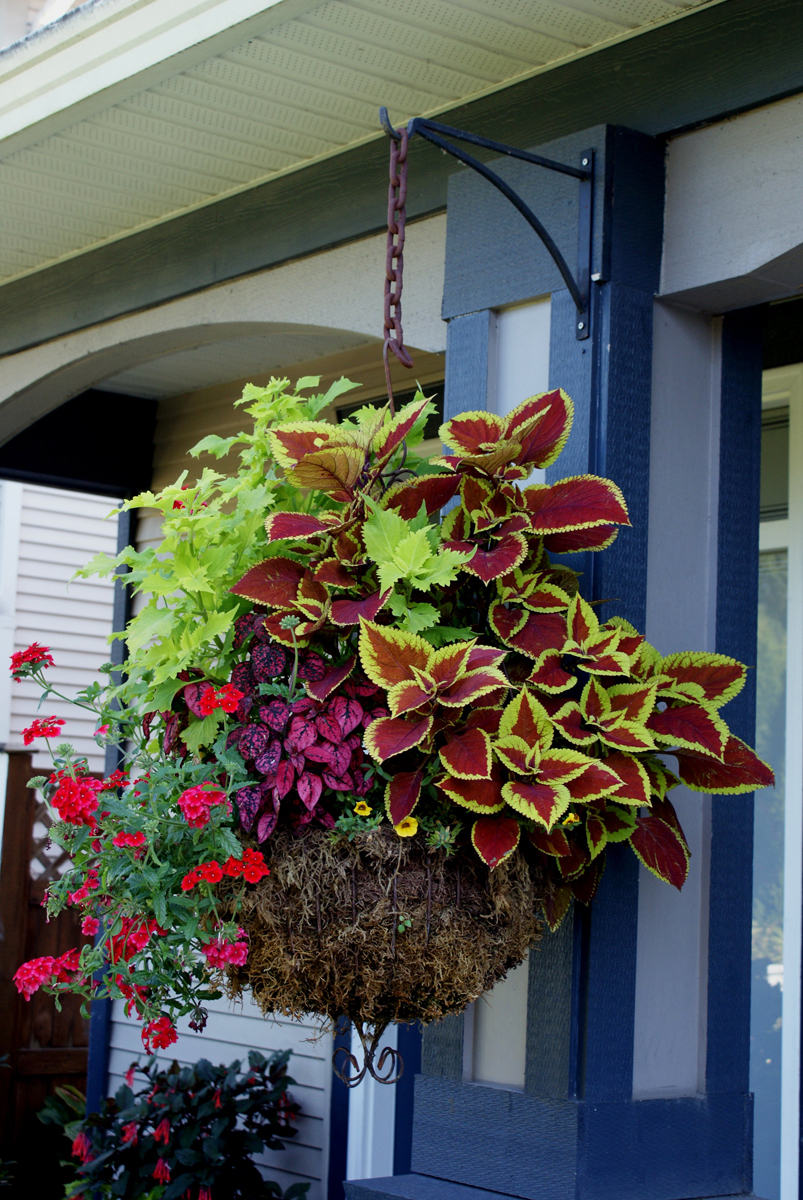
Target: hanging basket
380 930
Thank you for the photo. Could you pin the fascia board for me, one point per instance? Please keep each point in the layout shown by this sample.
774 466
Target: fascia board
78 67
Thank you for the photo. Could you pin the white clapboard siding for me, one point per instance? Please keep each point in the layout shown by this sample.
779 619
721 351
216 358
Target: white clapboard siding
233 1030
59 532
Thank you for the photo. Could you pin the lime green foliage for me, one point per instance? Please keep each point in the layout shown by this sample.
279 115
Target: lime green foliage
409 557
212 532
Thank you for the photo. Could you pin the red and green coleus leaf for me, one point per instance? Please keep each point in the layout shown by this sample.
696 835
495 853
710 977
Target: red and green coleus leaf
273 582
298 527
634 787
479 797
660 777
597 780
350 612
597 538
555 903
555 844
660 846
739 771
608 824
579 502
713 679
388 736
390 436
571 724
525 718
473 432
541 802
542 424
692 727
534 592
332 573
549 674
467 755
292 441
495 838
334 471
633 701
388 654
402 794
532 635
585 883
490 564
433 491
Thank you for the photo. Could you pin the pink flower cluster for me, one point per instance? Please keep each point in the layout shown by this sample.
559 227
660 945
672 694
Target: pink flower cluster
76 799
220 953
32 975
46 727
26 662
133 938
197 802
131 841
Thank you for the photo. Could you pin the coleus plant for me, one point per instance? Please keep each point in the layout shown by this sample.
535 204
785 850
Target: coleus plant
374 662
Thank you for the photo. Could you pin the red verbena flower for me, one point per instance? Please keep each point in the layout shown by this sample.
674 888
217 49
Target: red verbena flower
159 1034
233 867
130 1131
254 865
197 802
31 975
205 1193
162 1172
133 938
82 1147
32 658
220 954
190 879
211 872
226 697
91 884
102 730
46 727
132 840
76 800
133 994
129 1077
90 926
115 780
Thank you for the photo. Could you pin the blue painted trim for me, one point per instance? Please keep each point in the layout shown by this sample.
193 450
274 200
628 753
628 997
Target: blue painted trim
97 1070
730 903
338 1122
409 1046
466 379
539 1149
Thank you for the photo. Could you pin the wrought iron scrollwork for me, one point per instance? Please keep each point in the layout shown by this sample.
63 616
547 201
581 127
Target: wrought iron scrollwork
388 1067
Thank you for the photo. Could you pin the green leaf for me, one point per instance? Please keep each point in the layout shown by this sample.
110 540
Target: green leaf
201 733
212 444
151 623
414 617
442 635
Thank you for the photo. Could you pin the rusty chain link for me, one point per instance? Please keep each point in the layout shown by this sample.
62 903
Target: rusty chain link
394 259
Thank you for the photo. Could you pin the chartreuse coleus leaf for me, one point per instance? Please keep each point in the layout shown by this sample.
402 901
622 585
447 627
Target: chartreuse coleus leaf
414 617
408 552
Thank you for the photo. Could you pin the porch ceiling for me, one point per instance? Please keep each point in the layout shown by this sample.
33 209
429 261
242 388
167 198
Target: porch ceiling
116 117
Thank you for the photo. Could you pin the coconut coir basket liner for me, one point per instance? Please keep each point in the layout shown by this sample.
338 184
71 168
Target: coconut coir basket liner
324 932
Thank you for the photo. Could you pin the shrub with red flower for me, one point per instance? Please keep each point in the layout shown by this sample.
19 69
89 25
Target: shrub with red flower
76 798
226 698
194 1130
197 803
159 1034
46 727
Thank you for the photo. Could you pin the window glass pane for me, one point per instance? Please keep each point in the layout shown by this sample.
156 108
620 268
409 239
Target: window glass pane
775 464
765 1030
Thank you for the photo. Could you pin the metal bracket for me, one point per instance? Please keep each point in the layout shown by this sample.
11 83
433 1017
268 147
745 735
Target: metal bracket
580 286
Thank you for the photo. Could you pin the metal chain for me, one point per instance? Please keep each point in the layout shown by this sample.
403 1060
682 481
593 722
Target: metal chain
394 259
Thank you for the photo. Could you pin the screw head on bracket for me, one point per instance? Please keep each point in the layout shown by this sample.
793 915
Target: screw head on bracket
581 324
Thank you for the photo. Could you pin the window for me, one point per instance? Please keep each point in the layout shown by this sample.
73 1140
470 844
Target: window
778 828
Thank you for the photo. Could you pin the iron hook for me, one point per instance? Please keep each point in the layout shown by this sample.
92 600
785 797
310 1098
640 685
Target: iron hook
384 121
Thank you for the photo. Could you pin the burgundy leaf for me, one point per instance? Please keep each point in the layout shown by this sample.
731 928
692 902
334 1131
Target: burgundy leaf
301 734
170 736
322 752
254 741
342 783
234 736
347 712
266 825
268 762
324 687
248 801
328 727
342 758
275 715
267 661
360 686
192 697
311 666
244 626
309 788
348 612
243 678
304 705
285 777
374 715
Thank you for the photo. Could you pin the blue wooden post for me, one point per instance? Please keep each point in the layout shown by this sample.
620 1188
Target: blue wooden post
577 1131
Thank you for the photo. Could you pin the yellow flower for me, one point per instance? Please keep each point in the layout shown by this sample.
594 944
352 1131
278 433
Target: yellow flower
570 819
362 809
407 828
